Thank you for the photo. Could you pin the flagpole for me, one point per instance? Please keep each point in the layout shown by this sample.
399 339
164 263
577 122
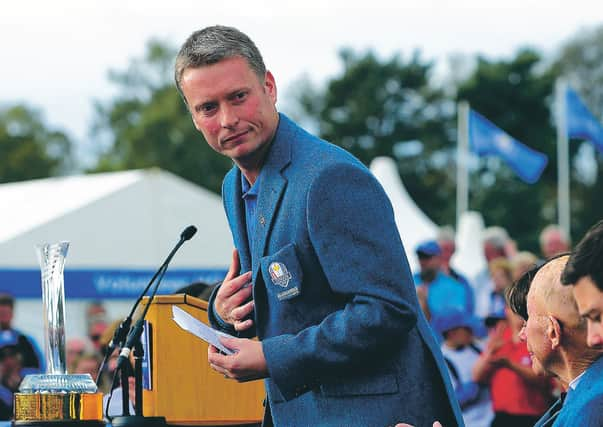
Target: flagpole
462 171
563 178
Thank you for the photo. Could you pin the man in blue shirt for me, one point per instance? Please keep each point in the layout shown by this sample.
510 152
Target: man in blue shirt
319 273
437 291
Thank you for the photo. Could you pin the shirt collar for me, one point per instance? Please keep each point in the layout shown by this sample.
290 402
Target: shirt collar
250 190
574 383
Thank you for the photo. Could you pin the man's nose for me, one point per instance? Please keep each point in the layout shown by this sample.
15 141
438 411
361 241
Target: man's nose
229 118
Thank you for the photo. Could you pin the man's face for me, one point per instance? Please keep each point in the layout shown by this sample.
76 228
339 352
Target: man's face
6 316
590 305
500 278
492 252
430 265
460 336
535 334
232 107
554 244
447 247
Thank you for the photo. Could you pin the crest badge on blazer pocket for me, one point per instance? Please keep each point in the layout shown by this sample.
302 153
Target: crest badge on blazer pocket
279 274
283 271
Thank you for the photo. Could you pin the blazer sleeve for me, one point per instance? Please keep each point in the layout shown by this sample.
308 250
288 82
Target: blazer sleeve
591 415
353 233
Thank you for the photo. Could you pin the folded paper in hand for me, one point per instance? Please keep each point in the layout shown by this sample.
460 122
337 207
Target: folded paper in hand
200 329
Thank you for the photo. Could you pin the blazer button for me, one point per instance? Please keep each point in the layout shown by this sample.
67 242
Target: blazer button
262 220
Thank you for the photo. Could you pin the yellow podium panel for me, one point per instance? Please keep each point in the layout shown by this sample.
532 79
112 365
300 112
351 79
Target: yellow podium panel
185 390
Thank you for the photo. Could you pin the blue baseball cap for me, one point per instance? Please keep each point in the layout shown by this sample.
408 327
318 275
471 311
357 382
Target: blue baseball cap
428 248
452 319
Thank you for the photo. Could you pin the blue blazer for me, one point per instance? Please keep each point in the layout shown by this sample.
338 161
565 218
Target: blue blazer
344 338
583 406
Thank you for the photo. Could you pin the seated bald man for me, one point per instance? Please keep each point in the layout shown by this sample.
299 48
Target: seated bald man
556 337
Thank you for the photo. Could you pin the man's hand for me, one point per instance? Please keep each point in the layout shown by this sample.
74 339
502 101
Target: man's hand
231 300
246 364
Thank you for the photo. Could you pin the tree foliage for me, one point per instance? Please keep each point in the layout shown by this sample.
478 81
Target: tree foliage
387 108
392 108
148 125
580 61
28 148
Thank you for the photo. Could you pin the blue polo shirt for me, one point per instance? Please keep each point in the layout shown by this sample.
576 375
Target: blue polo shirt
445 293
250 197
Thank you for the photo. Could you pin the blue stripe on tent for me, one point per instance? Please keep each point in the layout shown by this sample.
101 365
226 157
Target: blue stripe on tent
23 283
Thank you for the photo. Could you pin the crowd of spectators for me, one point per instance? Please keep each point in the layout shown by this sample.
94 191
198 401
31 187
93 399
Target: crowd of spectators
489 365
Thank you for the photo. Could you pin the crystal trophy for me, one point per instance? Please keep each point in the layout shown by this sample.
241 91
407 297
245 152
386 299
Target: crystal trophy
56 396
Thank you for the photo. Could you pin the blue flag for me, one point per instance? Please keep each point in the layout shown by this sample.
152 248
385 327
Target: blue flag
581 123
485 139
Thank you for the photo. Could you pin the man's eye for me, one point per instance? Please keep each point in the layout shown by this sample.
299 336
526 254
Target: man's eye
240 96
207 108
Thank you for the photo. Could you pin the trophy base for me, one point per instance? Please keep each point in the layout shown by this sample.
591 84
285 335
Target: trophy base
58 383
56 409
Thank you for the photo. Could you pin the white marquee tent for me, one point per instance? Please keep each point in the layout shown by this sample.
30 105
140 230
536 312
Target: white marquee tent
415 227
120 227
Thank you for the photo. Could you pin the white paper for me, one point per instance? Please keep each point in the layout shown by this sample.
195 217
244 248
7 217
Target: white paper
200 329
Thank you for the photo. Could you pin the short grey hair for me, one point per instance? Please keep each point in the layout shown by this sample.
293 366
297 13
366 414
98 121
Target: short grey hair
553 228
495 236
214 44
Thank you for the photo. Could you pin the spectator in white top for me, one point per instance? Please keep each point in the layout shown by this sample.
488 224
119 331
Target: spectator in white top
461 352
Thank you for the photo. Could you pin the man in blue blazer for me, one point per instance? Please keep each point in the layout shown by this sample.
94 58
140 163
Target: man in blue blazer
556 338
319 273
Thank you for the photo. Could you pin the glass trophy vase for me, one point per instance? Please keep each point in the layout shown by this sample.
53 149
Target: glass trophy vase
56 396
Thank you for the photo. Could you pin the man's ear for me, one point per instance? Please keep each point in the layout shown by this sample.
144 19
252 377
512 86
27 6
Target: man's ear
554 332
270 86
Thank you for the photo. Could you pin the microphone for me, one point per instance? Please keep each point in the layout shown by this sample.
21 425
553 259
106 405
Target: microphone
136 332
119 337
188 233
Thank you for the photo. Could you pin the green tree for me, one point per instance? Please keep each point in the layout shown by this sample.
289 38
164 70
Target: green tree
580 61
387 108
147 124
28 148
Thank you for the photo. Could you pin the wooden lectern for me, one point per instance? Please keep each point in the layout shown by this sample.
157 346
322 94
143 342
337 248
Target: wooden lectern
185 390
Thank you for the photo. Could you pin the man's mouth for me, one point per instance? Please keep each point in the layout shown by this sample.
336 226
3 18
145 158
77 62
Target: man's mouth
234 137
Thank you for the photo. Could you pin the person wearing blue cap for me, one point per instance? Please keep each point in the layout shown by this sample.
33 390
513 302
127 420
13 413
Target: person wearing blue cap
461 352
437 291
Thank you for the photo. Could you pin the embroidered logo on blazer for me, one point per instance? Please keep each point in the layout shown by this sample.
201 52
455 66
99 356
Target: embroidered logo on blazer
279 274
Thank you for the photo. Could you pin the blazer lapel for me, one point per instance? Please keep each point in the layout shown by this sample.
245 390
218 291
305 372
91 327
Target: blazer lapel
236 215
272 188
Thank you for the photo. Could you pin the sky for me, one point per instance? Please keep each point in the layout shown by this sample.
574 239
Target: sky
56 54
